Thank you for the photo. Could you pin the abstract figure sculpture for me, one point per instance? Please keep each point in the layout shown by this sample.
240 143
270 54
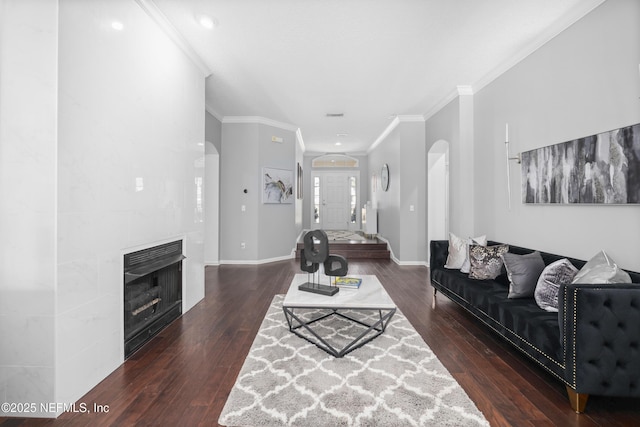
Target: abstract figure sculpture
316 252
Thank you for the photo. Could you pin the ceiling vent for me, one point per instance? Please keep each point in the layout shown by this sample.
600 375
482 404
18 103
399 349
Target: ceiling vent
335 114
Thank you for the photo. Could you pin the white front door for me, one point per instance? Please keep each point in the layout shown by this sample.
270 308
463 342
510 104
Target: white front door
335 201
335 206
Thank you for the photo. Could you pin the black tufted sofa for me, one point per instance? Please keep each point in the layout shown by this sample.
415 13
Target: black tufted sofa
592 344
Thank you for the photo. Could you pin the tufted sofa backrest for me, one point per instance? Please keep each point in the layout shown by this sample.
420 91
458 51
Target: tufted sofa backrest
548 258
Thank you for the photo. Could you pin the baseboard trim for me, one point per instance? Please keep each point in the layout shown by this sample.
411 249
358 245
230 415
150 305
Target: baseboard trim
254 262
415 263
396 260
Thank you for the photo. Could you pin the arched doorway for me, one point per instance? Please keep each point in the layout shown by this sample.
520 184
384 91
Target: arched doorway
438 191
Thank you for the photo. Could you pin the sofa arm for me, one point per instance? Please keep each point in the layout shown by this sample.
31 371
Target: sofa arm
600 333
439 251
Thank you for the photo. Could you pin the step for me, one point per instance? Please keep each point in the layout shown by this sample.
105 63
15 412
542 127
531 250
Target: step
355 250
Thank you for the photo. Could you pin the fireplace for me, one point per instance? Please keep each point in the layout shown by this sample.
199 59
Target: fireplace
152 292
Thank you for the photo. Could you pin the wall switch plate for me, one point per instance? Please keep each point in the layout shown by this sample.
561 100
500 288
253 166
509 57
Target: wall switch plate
243 208
242 245
412 208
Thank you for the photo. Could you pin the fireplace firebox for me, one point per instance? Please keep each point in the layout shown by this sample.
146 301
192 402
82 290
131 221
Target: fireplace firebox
152 292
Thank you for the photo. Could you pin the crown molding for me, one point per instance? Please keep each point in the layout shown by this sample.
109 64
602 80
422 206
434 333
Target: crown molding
394 123
440 105
214 113
259 120
151 9
300 140
464 90
558 27
411 118
461 90
385 133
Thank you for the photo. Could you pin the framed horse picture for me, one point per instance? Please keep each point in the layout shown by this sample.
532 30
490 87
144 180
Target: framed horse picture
277 186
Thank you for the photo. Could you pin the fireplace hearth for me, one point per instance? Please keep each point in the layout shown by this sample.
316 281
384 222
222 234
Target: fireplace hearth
152 292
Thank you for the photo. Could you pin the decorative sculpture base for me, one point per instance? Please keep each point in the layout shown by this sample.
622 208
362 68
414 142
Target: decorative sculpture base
319 289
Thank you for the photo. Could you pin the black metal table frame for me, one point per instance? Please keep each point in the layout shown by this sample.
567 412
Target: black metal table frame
379 326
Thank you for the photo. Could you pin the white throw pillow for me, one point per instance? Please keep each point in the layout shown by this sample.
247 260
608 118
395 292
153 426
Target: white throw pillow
459 251
601 269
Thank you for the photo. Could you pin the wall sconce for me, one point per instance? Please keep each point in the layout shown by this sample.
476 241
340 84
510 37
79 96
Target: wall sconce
508 158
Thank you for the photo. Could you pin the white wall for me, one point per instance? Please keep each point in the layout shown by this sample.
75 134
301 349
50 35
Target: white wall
131 172
583 82
212 205
28 98
213 136
102 152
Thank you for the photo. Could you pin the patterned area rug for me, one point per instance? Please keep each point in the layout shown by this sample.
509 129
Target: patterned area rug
343 235
394 380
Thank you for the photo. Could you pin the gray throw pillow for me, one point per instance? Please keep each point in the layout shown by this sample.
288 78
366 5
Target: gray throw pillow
486 262
523 272
555 274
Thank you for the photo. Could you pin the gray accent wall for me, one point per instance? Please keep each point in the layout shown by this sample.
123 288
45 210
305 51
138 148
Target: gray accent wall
276 222
404 229
213 131
268 231
583 82
454 123
239 170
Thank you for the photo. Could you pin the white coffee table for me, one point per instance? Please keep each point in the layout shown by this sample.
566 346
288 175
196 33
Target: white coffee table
369 297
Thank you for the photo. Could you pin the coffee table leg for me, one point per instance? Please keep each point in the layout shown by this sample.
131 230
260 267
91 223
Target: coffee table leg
379 326
288 312
357 343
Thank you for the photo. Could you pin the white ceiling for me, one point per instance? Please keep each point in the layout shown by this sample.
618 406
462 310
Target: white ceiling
294 61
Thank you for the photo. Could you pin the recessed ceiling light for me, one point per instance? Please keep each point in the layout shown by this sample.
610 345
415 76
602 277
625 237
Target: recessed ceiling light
117 25
207 22
338 143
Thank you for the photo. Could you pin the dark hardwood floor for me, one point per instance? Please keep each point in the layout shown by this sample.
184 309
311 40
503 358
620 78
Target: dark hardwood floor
183 376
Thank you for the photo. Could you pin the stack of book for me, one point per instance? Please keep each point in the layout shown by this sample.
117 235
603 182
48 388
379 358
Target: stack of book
348 282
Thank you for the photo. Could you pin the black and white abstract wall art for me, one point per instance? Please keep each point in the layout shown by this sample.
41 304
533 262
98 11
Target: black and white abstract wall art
277 185
598 169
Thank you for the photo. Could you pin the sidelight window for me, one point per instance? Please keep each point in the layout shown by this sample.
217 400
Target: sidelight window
316 199
353 199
